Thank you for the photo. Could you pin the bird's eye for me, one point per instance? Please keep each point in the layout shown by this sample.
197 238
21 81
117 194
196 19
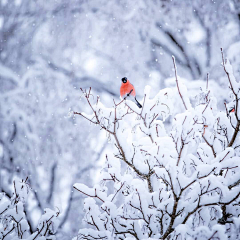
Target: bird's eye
124 80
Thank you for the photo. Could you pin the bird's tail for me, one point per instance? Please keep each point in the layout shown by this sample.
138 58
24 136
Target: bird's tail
138 104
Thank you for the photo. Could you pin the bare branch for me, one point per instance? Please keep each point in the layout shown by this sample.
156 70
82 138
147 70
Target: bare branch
175 68
94 196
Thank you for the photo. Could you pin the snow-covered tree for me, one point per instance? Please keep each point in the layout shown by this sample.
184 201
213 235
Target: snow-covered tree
13 222
48 49
177 180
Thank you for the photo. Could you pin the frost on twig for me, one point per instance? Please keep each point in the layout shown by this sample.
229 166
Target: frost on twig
178 182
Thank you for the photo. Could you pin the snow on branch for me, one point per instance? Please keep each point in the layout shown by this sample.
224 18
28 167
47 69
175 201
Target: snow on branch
166 182
13 222
234 86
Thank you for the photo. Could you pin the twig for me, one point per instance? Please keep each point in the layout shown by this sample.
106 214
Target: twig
234 134
224 67
211 146
206 104
175 68
117 191
236 107
234 184
96 196
225 104
224 156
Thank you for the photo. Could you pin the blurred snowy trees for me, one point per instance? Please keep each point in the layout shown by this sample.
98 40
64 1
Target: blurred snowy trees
48 49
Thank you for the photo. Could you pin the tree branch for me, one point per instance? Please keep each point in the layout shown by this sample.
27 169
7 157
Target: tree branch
175 68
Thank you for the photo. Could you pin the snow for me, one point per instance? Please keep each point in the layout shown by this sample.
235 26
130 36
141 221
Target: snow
143 164
186 166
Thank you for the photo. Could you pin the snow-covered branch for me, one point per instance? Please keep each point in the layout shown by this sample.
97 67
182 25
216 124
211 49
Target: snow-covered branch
13 222
166 184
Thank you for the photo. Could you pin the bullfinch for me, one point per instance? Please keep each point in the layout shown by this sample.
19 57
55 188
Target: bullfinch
127 89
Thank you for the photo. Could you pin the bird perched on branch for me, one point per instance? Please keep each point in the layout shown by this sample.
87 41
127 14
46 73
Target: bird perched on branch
128 90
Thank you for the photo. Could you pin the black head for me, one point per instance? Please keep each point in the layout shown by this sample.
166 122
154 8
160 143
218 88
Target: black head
124 80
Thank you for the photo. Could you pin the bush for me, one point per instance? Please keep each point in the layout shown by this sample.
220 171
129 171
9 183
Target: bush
181 183
13 222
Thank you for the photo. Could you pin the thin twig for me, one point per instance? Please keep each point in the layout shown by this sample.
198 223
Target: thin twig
236 107
175 68
211 146
96 196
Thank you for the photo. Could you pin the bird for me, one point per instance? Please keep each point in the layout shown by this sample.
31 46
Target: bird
128 90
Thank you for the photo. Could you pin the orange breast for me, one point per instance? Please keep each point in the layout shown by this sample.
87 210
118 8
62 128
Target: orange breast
126 88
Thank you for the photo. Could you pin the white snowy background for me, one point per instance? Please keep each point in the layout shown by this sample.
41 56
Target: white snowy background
49 49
